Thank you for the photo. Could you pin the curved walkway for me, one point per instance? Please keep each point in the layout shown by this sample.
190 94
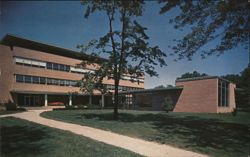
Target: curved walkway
133 144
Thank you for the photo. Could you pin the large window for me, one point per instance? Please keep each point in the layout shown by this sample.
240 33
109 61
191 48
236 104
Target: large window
29 62
55 66
19 78
223 93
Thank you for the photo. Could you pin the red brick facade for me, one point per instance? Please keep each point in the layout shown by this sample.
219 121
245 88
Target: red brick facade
202 96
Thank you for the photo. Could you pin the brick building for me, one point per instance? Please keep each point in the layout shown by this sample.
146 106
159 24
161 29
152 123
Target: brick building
209 94
37 74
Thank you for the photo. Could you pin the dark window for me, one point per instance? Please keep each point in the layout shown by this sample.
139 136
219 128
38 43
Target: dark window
49 81
67 68
35 79
49 65
27 79
55 66
222 93
42 80
67 83
61 82
61 67
19 78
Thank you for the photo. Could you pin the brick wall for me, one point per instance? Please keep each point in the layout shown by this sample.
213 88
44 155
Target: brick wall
198 96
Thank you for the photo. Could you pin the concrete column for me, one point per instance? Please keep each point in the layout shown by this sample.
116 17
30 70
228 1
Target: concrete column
70 100
103 101
46 100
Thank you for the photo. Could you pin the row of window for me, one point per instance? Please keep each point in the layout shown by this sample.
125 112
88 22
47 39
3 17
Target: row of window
121 88
55 66
44 80
61 82
62 67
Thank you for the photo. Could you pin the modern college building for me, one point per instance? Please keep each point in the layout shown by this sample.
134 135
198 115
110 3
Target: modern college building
38 74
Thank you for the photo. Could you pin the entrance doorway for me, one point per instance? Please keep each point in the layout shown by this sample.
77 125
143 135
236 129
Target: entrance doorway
30 99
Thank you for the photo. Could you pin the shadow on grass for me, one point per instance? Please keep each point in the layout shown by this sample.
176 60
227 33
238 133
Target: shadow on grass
22 140
189 132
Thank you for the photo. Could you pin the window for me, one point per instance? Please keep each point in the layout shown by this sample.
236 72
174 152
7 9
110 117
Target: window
49 65
42 80
61 82
67 68
55 66
61 67
223 93
35 79
19 78
27 79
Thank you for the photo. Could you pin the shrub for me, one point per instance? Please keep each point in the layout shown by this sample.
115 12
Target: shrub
168 104
10 106
234 112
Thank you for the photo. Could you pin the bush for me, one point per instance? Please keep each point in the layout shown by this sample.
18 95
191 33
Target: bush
10 106
234 112
168 104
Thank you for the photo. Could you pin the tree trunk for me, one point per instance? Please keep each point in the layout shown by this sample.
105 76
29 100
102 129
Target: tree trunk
116 116
90 99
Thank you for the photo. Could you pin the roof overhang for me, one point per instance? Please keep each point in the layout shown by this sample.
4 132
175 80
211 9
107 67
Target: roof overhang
12 40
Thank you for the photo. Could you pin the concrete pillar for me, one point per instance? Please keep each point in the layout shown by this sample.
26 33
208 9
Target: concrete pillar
103 101
70 100
46 100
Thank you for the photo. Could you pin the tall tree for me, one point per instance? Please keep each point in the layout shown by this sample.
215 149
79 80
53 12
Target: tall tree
127 47
226 21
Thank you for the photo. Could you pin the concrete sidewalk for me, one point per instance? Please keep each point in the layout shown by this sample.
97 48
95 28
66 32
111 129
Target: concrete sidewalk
132 144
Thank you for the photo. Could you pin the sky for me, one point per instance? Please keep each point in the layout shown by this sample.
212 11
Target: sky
63 24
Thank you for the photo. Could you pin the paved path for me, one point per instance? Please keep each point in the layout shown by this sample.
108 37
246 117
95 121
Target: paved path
133 144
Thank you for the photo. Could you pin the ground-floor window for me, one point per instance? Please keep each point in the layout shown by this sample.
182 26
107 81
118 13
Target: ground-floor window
223 93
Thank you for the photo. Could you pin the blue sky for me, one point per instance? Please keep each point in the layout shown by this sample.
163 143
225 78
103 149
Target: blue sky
63 24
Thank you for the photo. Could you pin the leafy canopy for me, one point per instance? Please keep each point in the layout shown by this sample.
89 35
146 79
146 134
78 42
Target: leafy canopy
225 22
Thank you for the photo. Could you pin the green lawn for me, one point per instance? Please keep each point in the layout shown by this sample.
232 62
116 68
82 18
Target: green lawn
9 112
20 138
214 134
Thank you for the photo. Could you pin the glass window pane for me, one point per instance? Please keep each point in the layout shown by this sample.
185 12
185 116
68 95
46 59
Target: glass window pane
35 79
27 79
42 80
19 78
67 68
55 66
61 67
49 65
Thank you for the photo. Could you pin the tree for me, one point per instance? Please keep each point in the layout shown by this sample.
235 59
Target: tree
242 82
159 87
191 75
127 48
224 20
168 104
88 85
162 86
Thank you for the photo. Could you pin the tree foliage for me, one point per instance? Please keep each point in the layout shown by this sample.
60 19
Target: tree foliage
224 20
191 75
127 47
242 82
168 104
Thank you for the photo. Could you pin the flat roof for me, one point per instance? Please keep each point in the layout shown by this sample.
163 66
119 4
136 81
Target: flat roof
152 90
13 40
201 78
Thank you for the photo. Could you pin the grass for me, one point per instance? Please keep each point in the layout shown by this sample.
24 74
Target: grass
221 135
20 138
9 112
